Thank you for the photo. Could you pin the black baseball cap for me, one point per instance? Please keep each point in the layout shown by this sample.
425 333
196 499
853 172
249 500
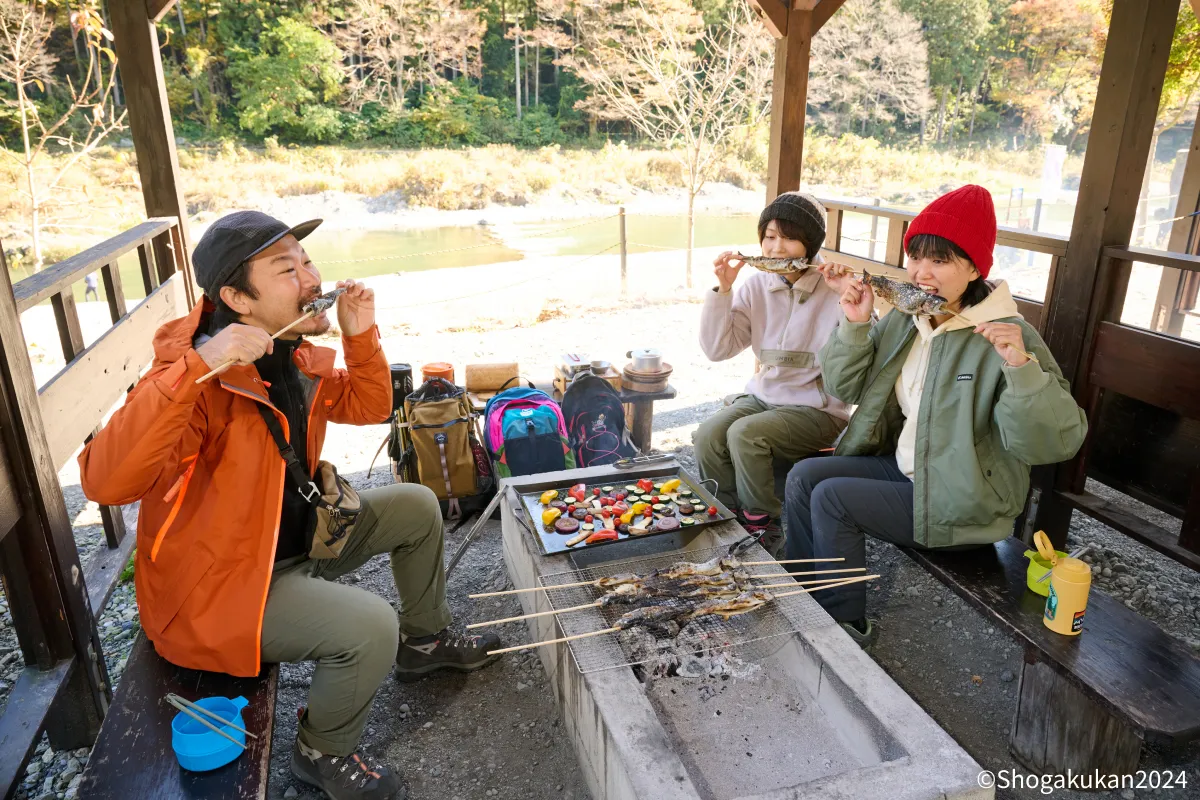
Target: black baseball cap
234 239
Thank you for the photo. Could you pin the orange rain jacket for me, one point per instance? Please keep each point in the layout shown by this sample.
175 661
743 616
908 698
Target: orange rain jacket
211 482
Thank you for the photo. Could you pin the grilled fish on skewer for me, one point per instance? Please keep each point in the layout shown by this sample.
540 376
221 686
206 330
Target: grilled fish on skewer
650 615
323 303
778 266
742 604
908 298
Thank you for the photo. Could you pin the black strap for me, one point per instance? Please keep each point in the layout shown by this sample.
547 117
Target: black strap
304 482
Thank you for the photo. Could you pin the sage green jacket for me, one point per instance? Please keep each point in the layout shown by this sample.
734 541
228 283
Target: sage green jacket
981 423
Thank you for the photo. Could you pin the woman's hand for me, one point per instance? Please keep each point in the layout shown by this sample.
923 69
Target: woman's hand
356 308
858 301
837 276
1006 338
725 271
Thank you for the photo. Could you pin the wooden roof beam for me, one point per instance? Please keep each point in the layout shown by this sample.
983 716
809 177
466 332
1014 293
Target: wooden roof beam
157 9
824 9
774 14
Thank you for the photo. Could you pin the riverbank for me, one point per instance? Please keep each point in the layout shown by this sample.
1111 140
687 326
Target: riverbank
406 188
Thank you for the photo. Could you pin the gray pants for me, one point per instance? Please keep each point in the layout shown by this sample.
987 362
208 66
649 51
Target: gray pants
351 633
833 504
737 446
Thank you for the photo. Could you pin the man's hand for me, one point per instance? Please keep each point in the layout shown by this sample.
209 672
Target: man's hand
858 301
238 343
1006 338
356 308
725 271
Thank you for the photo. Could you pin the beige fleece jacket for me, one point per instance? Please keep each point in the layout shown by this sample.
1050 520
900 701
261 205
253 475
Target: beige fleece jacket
911 383
766 314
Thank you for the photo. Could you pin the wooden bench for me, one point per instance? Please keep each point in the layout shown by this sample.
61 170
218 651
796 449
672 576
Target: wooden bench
133 759
1085 702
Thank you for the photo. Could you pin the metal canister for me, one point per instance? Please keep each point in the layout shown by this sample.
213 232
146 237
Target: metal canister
402 383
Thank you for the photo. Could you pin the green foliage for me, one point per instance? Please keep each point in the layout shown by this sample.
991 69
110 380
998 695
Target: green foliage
289 83
455 114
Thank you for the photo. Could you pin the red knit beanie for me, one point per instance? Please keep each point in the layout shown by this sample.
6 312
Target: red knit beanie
966 217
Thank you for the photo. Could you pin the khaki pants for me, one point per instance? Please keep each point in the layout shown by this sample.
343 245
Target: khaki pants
352 633
737 445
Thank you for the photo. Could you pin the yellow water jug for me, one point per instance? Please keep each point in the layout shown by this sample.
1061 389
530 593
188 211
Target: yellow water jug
1070 582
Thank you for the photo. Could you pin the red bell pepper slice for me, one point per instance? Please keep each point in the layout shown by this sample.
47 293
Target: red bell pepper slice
578 491
603 536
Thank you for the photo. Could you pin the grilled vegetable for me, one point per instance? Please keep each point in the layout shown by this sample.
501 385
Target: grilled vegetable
670 486
566 526
548 497
550 515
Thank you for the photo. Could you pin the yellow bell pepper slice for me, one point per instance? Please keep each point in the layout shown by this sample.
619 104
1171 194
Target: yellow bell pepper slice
550 515
548 497
628 516
671 486
638 507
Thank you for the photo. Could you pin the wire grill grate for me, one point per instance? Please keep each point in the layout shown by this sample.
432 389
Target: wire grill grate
752 637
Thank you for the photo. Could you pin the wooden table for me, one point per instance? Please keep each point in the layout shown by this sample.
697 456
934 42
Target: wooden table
639 413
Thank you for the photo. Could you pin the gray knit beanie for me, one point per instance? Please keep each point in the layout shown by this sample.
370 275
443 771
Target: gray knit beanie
804 211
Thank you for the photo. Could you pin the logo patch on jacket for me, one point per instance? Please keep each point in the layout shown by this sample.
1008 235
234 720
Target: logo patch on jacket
966 376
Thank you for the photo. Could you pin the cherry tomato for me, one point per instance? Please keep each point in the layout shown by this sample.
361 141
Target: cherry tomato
648 513
606 513
596 491
712 511
589 518
622 495
606 501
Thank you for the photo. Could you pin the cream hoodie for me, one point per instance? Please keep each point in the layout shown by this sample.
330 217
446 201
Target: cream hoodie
785 326
911 383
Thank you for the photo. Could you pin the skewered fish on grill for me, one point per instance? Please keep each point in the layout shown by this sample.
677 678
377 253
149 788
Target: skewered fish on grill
778 266
650 615
731 607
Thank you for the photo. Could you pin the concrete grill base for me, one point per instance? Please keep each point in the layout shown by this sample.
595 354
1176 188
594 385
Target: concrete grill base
818 719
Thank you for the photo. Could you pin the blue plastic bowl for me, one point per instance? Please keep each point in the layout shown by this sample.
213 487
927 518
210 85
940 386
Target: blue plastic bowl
199 748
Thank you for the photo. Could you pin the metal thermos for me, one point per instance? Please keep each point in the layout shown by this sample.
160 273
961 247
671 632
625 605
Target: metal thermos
402 383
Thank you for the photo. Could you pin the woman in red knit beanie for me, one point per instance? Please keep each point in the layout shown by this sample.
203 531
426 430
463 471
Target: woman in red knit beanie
950 412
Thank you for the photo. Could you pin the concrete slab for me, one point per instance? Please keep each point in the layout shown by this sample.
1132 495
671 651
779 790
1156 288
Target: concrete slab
819 720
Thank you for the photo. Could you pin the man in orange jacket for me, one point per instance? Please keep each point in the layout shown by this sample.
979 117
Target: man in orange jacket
224 580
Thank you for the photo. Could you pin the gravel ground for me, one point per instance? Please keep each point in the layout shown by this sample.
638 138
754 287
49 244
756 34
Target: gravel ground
496 733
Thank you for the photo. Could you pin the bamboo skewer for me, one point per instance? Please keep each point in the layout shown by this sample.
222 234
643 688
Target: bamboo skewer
185 710
176 701
616 628
1030 356
772 562
275 335
598 603
593 583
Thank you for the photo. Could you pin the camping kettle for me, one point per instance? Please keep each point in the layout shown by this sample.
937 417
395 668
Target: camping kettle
649 360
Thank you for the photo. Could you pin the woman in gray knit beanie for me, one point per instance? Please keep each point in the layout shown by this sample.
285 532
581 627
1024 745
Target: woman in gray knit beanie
784 412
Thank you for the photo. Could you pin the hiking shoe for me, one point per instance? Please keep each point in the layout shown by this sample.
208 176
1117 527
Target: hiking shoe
767 529
345 778
418 656
864 639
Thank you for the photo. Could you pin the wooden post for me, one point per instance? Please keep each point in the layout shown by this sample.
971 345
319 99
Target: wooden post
1168 316
785 158
136 43
624 252
47 551
874 232
1083 290
1037 219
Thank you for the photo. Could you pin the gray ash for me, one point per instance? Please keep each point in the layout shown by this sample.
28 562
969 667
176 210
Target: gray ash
690 651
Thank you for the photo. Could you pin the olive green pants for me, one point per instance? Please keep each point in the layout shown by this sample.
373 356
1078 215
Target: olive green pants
737 445
351 633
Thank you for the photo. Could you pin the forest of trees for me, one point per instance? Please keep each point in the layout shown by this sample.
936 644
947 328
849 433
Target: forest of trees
432 73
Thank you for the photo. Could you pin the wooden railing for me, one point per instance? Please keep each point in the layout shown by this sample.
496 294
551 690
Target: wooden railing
54 598
893 258
1141 391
